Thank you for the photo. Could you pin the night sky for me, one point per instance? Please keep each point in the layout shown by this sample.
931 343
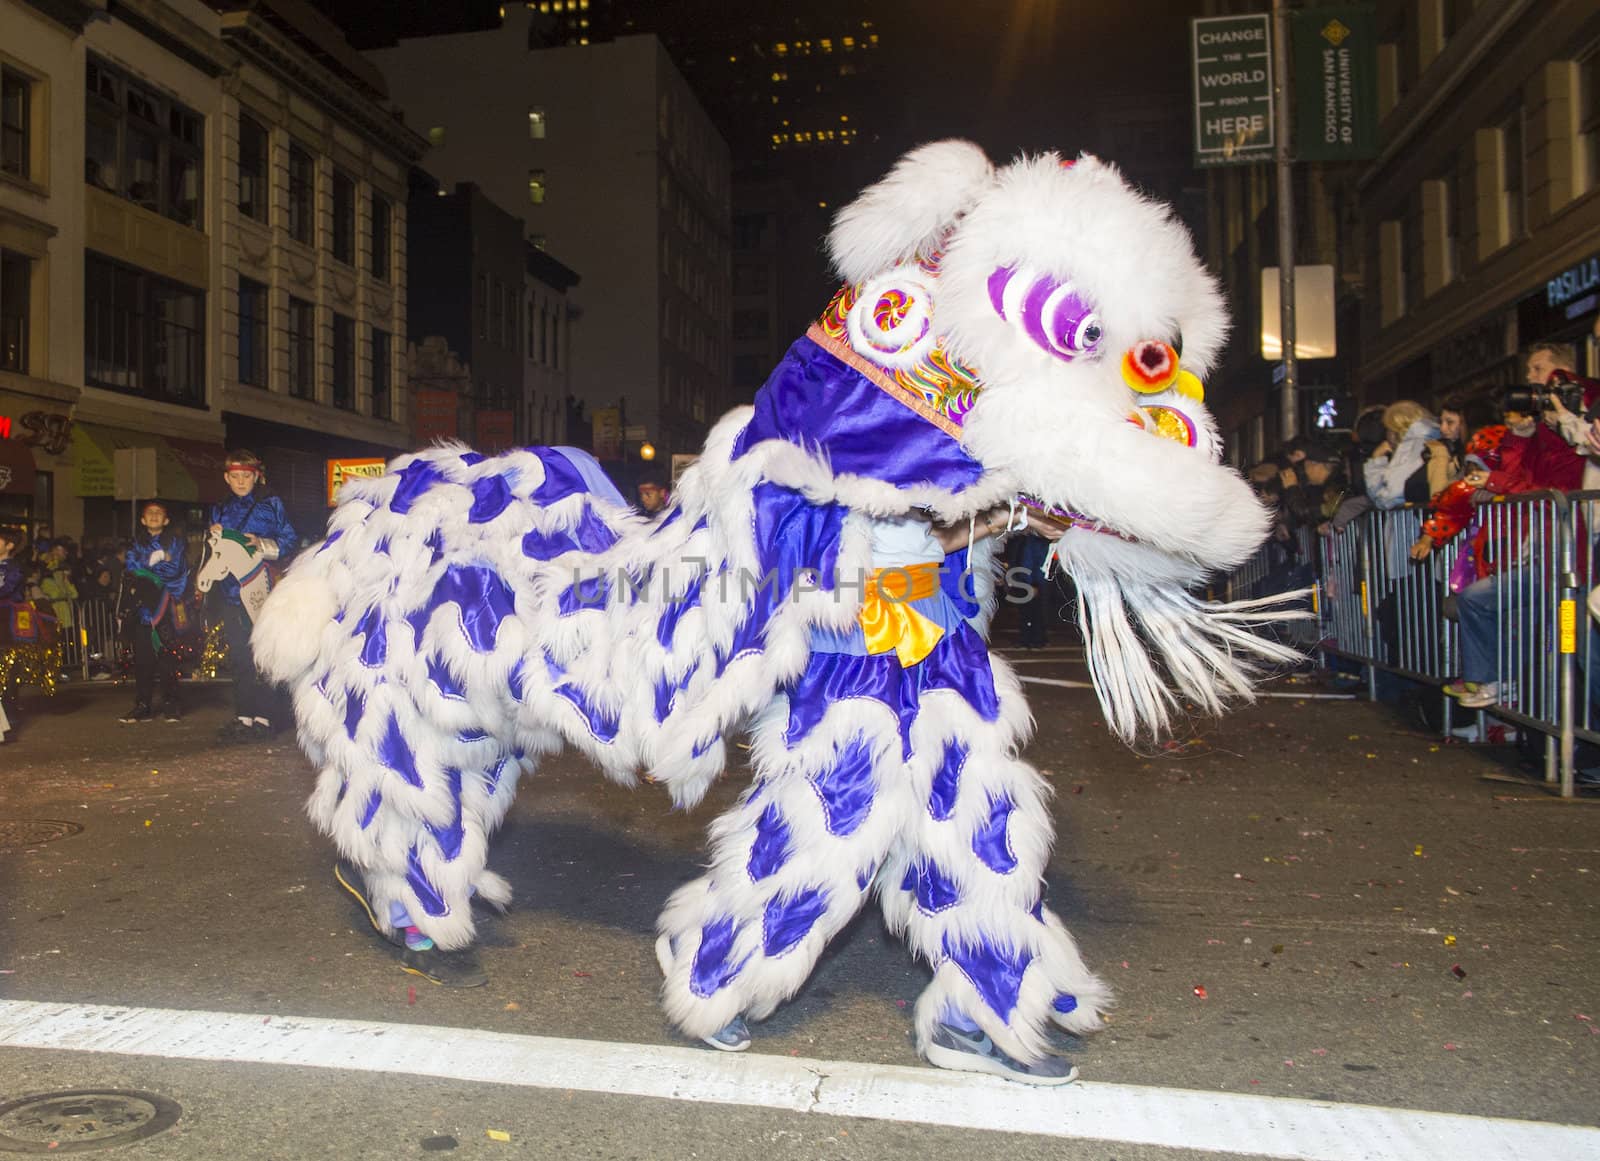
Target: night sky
1010 74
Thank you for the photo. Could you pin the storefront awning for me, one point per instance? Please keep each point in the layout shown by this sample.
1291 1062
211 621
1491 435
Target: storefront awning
16 467
186 470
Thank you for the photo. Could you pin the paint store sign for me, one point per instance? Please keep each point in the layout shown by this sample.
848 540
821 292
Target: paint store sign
1572 282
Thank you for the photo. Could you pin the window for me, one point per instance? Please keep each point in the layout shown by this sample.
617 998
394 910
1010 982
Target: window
497 318
480 307
16 112
1413 260
302 349
382 226
143 146
536 124
16 271
344 218
252 333
344 362
1588 117
382 373
1450 211
536 188
1511 176
302 196
143 334
436 135
254 168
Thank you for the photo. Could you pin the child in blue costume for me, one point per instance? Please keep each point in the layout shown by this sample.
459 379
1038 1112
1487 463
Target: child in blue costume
155 577
260 518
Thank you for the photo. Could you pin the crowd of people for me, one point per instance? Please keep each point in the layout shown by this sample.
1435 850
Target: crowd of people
1541 437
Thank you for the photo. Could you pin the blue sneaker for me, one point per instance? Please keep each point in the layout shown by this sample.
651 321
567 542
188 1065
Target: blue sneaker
975 1052
734 1036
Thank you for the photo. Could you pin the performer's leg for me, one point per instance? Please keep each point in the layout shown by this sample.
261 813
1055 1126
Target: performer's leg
965 884
246 682
790 865
144 661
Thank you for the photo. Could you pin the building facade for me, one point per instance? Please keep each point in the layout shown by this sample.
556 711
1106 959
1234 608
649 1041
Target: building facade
500 305
618 174
1481 215
194 254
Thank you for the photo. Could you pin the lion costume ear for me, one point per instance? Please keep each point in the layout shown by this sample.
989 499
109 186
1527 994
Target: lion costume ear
909 210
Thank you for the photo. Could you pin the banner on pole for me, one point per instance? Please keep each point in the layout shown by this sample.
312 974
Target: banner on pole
1231 63
1335 82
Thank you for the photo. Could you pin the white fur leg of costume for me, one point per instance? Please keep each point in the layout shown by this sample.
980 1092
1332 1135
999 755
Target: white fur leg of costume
955 834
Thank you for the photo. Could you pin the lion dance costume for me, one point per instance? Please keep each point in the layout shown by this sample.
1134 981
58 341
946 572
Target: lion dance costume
1001 334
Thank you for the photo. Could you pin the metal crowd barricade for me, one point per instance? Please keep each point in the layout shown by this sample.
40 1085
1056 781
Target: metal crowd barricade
1383 610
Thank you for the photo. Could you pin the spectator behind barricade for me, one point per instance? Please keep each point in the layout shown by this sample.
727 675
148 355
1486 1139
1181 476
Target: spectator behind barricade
56 584
1412 464
1366 436
1456 509
1533 458
1314 488
1554 367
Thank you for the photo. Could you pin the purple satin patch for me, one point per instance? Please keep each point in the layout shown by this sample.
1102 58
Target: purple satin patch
355 704
435 547
602 724
538 545
846 789
514 681
471 736
593 534
947 782
376 646
961 662
374 800
1065 1002
864 876
711 970
770 849
674 611
936 890
432 902
483 598
991 843
821 403
328 542
995 972
450 837
492 776
444 681
586 592
471 459
561 477
395 753
490 497
415 479
836 677
789 918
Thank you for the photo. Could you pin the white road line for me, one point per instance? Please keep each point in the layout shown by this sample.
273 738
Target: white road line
1170 1118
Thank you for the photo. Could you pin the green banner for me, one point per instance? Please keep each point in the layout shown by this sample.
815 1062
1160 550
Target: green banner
1231 64
1335 82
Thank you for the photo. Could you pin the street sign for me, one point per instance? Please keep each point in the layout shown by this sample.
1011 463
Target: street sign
636 432
366 467
133 472
607 427
1231 62
1335 82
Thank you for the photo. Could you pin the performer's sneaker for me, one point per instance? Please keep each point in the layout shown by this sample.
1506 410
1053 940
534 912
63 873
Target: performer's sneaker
171 712
139 713
734 1036
450 969
975 1052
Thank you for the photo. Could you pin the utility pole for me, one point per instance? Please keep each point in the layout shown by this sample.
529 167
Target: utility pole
1289 396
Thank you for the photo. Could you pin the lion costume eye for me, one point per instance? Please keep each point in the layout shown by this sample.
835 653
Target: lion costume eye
1051 313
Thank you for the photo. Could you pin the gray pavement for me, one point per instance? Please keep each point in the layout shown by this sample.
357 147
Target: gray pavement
1310 899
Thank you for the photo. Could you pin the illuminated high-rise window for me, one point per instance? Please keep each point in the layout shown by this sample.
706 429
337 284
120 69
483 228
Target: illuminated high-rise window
536 123
536 186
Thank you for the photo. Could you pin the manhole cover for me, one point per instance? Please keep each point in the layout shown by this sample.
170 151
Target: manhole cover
83 1120
30 832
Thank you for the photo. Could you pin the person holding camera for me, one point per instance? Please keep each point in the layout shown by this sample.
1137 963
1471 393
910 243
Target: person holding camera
1533 459
1572 403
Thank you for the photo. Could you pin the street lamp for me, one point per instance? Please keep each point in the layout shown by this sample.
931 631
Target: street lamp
647 451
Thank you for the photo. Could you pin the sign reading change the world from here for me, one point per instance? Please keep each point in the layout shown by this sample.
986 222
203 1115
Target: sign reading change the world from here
1232 67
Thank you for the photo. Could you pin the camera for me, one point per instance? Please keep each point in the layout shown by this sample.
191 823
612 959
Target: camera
1533 400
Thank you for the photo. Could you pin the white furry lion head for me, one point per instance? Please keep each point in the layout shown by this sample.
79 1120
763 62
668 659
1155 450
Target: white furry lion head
1086 320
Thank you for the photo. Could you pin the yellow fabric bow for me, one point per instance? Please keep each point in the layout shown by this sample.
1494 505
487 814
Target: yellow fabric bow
887 619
